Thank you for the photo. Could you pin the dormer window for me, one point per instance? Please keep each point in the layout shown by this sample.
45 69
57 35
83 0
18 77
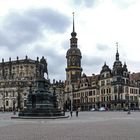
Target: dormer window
102 76
107 75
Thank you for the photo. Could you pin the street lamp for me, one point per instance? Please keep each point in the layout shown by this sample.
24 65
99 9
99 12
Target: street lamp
14 108
71 98
61 99
54 97
81 103
18 97
129 112
4 102
119 99
4 99
86 103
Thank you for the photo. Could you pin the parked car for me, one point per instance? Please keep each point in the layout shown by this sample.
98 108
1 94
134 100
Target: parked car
125 109
92 109
102 109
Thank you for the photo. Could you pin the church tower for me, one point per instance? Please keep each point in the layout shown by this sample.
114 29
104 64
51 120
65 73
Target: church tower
73 56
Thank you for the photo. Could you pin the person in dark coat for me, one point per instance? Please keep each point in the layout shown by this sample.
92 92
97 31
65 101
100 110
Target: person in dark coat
77 113
71 113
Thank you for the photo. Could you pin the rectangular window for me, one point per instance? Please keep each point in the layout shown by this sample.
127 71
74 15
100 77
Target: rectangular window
90 93
102 83
25 102
115 89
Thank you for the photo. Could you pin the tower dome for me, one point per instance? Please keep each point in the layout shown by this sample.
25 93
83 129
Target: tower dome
125 67
73 52
105 68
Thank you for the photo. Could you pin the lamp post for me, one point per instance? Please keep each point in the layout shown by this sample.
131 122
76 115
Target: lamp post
119 91
4 102
86 103
71 98
81 99
14 108
4 98
129 112
61 99
18 97
54 97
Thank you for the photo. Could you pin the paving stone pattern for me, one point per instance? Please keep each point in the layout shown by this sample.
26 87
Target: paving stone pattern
87 126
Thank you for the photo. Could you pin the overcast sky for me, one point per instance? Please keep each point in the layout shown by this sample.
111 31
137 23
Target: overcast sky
43 28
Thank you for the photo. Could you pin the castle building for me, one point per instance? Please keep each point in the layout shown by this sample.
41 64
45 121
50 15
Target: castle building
16 77
114 89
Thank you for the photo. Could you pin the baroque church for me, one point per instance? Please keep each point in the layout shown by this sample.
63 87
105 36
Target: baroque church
15 78
114 89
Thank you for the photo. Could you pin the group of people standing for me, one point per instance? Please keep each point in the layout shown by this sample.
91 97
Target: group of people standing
77 111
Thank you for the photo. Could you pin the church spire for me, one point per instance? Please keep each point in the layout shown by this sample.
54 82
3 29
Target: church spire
117 53
73 34
73 23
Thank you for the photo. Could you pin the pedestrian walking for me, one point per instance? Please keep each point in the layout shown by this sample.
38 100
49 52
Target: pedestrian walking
77 113
71 113
64 112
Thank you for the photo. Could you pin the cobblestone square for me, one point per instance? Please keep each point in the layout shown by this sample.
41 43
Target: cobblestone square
87 126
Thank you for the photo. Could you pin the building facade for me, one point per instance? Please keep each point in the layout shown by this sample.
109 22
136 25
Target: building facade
16 77
114 89
57 88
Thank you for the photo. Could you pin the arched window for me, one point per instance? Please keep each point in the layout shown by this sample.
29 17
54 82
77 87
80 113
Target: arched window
7 103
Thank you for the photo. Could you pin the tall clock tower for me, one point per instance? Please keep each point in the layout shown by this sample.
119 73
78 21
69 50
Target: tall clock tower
73 56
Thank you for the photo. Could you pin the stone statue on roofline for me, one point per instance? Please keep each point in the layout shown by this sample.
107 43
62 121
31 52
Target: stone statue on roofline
45 65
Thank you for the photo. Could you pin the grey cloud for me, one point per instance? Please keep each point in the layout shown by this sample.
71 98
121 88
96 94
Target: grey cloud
93 3
94 60
21 28
102 47
86 3
51 19
92 64
133 66
65 45
124 3
57 63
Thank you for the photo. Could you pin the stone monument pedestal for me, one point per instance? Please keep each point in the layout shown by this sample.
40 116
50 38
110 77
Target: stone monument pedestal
41 103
